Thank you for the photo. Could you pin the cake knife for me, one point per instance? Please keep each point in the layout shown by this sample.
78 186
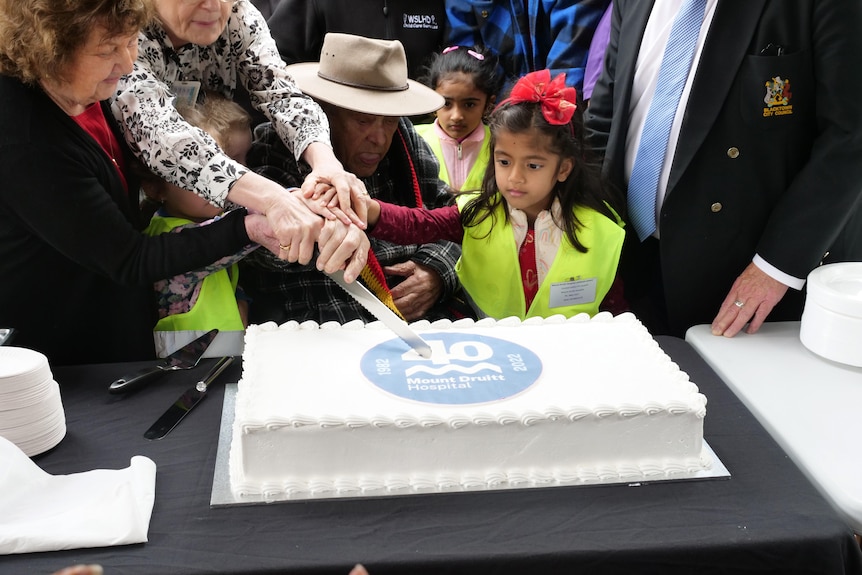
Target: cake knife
379 310
185 357
186 402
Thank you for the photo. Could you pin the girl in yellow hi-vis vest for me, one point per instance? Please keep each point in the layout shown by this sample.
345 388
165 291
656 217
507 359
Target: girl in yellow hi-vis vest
542 237
468 79
209 298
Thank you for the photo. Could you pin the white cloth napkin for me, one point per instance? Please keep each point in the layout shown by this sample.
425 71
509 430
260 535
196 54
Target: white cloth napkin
98 508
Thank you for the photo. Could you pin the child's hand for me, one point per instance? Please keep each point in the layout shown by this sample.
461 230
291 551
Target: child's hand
322 192
316 203
322 198
373 209
327 199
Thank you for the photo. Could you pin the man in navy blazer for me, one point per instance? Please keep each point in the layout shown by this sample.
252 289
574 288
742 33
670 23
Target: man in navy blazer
766 173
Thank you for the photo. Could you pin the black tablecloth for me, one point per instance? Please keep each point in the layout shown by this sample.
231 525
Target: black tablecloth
765 518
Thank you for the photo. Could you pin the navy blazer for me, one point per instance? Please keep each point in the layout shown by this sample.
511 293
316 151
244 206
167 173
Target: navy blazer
783 181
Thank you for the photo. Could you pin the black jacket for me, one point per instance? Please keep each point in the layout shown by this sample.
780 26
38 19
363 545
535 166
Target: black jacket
299 26
76 274
744 181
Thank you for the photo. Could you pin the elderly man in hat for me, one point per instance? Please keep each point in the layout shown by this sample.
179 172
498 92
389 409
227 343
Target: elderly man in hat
362 86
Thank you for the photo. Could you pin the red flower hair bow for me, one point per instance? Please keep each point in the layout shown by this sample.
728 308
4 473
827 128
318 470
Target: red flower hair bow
557 99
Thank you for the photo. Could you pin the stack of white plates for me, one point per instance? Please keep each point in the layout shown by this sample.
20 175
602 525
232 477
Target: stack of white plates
832 318
31 411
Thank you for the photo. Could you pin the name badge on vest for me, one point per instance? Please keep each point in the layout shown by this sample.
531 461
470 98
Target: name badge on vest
186 92
573 292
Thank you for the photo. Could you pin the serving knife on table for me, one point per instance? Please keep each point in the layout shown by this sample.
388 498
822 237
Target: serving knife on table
379 310
186 402
186 357
6 335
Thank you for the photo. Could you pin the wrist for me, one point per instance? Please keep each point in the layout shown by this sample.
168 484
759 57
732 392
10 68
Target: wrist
254 192
317 155
373 211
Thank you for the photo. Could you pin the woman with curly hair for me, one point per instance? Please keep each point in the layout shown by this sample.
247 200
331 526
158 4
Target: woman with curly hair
76 271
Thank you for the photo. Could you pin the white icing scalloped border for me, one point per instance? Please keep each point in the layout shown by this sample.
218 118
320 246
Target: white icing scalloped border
493 479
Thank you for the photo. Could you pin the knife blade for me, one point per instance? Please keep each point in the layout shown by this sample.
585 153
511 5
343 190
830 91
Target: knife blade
379 310
186 402
7 334
186 357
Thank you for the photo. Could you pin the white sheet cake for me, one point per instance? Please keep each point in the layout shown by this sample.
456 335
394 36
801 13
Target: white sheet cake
349 411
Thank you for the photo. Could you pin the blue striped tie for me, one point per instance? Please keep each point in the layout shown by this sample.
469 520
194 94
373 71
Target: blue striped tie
672 74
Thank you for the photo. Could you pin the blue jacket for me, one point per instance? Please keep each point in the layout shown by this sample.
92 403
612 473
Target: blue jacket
553 34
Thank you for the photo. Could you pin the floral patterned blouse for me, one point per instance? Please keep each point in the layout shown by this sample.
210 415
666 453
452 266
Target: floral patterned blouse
244 53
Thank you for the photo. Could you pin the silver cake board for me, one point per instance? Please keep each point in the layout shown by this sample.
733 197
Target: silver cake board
222 495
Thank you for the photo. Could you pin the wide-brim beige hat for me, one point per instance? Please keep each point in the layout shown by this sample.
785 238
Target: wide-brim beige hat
365 75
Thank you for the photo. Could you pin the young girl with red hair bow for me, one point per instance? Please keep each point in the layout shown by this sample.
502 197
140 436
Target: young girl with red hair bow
541 238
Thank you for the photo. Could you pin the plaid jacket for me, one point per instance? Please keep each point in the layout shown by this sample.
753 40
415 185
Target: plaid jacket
554 34
282 292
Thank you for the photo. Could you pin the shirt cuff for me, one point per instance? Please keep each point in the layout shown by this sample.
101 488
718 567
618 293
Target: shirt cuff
217 177
777 274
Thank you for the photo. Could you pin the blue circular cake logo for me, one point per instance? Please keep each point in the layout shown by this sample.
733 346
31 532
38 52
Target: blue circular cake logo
463 368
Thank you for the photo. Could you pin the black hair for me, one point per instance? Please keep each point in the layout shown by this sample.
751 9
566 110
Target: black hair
477 62
585 186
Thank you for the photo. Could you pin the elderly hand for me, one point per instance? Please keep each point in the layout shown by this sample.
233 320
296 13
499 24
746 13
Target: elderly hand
420 290
295 227
293 224
342 247
260 232
341 192
751 298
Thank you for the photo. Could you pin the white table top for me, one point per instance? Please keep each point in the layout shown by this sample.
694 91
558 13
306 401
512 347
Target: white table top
810 405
